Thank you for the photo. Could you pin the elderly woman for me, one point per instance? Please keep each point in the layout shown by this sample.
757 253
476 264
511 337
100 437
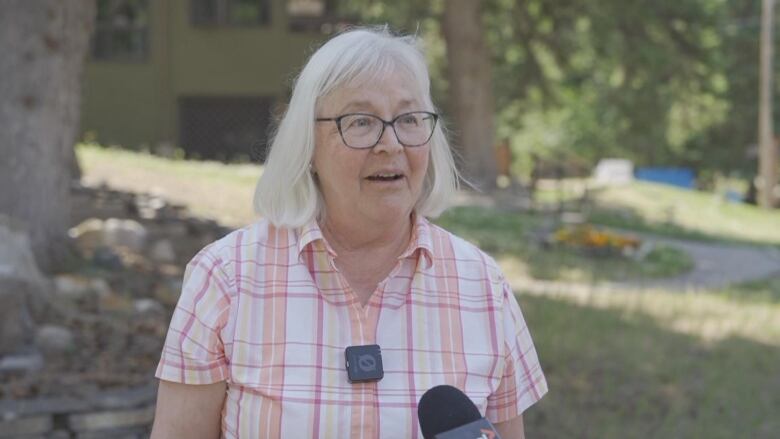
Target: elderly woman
345 262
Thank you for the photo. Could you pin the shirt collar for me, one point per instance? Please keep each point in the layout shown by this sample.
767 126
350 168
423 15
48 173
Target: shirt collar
421 239
309 234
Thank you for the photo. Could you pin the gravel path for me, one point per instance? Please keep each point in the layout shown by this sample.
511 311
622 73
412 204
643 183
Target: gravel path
715 266
718 265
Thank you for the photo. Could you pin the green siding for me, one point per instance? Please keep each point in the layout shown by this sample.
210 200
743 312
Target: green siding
135 104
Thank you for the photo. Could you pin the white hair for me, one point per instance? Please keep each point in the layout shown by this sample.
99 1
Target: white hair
287 193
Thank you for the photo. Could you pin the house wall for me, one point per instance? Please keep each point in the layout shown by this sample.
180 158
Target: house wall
134 104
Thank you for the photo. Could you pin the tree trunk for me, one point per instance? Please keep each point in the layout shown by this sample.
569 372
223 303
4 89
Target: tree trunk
43 45
471 94
767 150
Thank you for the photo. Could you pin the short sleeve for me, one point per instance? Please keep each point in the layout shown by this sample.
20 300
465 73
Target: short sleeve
194 350
522 382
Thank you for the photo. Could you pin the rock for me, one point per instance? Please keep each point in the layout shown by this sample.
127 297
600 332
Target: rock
162 251
207 238
168 291
115 303
127 398
100 286
115 433
23 427
125 233
18 362
148 306
16 323
16 256
175 229
73 288
95 233
112 419
54 339
22 286
156 203
88 234
18 408
107 258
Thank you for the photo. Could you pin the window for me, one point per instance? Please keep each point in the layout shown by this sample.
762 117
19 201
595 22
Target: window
230 12
224 127
121 30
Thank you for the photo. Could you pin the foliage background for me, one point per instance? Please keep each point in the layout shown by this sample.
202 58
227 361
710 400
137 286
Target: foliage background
663 82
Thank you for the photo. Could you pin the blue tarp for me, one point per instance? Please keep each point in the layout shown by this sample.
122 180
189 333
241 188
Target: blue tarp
681 177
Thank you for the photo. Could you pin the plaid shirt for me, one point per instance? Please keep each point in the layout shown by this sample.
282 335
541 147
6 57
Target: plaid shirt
266 310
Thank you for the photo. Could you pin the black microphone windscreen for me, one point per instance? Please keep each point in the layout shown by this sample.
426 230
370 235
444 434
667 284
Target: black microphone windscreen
443 408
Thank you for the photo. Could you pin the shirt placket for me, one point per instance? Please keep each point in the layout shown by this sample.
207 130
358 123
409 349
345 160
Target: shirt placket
364 320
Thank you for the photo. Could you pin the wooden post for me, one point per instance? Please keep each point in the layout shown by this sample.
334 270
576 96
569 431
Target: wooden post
767 150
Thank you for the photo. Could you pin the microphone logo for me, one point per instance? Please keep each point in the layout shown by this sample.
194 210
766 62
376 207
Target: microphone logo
366 363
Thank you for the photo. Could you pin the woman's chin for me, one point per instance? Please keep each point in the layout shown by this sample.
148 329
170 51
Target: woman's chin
390 212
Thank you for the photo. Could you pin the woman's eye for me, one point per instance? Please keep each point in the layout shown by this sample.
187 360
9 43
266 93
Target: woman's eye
361 122
409 120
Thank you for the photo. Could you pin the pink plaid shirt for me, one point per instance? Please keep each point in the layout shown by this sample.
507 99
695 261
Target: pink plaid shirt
265 309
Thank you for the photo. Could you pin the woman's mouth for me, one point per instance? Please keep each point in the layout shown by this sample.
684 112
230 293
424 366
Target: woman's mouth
385 177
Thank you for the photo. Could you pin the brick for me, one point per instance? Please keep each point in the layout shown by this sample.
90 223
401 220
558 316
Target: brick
14 428
142 417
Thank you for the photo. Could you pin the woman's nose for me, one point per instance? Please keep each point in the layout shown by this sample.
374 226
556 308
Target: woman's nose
388 141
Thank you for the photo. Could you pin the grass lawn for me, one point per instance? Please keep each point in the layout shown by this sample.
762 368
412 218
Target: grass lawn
510 236
619 365
655 366
209 189
671 211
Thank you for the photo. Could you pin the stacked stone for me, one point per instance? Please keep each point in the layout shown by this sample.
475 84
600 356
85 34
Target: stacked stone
124 414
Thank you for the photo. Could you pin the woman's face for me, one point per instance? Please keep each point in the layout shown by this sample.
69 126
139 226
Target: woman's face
379 184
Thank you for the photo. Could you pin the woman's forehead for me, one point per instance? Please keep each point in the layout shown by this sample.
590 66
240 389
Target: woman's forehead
364 94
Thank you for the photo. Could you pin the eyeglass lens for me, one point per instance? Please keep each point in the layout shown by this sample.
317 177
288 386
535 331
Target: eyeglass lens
364 130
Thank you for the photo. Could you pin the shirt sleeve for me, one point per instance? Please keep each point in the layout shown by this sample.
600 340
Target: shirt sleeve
522 382
194 350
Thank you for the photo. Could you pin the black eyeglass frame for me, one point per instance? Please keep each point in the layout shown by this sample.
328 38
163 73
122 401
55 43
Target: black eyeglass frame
385 123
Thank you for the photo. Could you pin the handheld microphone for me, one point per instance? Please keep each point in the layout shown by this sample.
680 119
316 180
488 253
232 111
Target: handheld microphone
445 412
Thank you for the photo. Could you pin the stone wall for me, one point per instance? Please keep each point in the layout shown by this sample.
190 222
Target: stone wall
115 414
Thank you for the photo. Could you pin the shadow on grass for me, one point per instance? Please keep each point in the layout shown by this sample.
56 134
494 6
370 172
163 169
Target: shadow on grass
518 234
614 374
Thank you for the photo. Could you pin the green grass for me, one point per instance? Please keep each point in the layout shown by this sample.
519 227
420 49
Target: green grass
511 236
761 291
666 210
684 213
655 367
209 189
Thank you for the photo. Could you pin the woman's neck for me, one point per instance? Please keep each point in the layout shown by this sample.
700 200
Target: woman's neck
352 237
365 256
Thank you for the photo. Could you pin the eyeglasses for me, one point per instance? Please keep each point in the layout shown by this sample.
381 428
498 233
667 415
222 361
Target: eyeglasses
362 130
